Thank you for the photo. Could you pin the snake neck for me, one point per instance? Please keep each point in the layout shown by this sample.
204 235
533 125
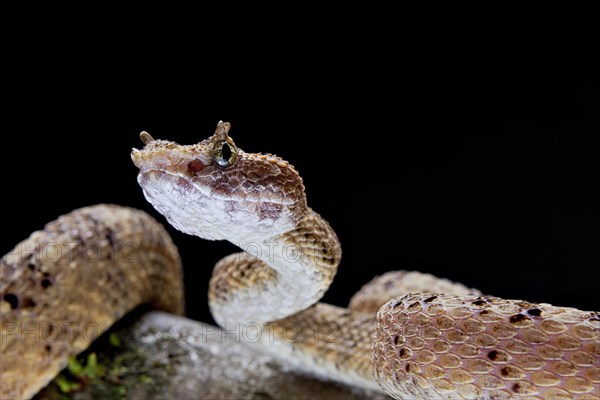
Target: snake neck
277 276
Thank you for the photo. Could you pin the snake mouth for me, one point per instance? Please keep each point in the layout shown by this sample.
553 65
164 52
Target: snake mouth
151 176
156 178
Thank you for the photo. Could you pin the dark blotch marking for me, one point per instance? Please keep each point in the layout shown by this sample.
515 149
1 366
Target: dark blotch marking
492 355
110 238
535 312
517 318
396 339
195 166
12 299
516 388
28 302
504 371
48 348
403 351
484 312
31 266
430 299
479 303
407 367
47 281
396 304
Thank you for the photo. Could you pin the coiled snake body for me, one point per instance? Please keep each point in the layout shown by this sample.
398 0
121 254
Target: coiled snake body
437 340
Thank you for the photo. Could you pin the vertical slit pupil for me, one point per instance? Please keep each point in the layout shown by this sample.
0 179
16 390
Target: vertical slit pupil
226 152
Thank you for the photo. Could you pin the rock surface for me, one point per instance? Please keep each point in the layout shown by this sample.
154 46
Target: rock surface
164 356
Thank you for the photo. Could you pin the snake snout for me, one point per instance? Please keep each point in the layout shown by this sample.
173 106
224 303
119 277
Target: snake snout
136 157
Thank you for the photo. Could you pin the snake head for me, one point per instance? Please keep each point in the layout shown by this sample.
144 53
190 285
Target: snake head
215 190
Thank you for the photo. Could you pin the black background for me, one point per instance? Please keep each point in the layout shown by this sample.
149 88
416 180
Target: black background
465 153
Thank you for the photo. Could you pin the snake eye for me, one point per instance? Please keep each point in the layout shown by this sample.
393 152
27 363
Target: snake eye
224 153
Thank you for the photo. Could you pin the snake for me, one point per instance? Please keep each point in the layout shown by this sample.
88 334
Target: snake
407 334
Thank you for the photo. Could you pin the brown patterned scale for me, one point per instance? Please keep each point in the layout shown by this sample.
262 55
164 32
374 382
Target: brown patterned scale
438 340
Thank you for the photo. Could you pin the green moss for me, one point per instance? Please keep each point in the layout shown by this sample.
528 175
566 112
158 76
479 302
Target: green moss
74 366
65 385
117 366
114 340
106 370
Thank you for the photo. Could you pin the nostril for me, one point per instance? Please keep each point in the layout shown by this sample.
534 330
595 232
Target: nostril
195 166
